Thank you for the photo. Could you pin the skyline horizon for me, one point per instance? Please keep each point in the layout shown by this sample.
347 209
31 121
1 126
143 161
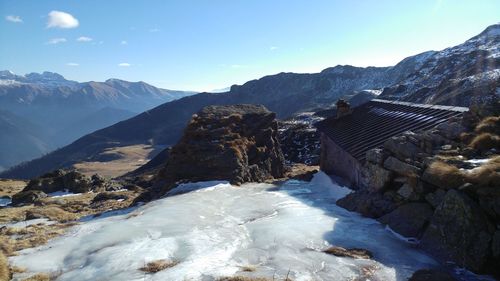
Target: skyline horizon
227 88
209 47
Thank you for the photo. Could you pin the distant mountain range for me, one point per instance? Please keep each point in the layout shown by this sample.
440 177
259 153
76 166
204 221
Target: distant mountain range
60 111
461 75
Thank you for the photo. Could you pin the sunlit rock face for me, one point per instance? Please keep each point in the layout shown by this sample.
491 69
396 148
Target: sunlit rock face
214 229
237 143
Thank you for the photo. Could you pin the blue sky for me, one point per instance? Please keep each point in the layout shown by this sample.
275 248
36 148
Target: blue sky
205 45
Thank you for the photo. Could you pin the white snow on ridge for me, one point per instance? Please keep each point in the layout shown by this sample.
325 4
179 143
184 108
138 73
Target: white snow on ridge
216 229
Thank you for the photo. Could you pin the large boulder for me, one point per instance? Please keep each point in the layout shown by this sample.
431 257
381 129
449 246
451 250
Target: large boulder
409 219
400 167
402 146
459 232
377 177
27 197
72 181
373 205
237 143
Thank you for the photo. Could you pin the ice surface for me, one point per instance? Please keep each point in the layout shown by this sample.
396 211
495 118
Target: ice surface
214 229
4 201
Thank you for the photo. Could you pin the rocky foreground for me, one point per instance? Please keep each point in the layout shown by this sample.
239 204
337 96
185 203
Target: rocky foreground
440 189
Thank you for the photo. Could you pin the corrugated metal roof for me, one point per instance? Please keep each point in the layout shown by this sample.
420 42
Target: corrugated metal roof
372 123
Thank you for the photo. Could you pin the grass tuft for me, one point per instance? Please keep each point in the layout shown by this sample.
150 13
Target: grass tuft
485 142
158 265
489 125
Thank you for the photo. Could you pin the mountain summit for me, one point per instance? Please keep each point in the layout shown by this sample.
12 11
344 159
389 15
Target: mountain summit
461 75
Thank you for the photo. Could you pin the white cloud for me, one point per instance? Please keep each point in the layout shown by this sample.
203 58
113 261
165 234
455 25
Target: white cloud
124 64
154 30
123 42
12 18
54 41
273 48
84 39
72 64
61 20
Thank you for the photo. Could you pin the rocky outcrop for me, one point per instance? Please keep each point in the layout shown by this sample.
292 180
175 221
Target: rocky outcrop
237 143
409 220
459 231
422 186
71 181
27 197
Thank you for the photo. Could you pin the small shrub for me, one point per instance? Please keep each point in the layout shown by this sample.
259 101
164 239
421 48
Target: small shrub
444 175
158 265
39 277
485 142
489 125
487 174
248 268
52 213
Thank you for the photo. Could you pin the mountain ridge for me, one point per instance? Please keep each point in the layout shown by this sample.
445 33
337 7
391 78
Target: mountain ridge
429 77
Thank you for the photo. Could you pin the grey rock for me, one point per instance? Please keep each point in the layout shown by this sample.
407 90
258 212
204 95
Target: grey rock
27 197
459 232
405 191
409 219
435 198
238 143
401 167
401 147
450 130
378 178
373 205
376 156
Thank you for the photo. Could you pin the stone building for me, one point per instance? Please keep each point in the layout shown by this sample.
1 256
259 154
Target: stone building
347 137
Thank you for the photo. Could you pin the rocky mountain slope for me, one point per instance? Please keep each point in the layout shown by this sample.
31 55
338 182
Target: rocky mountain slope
22 138
460 75
65 110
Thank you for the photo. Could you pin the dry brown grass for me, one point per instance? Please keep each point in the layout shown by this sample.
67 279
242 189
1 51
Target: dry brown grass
489 125
158 265
40 277
126 159
243 278
29 237
4 267
13 214
10 187
487 174
51 212
445 175
248 268
485 142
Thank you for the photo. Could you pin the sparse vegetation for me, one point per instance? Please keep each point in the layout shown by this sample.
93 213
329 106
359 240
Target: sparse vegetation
489 125
445 175
4 267
39 277
487 174
248 268
158 265
354 253
52 212
485 141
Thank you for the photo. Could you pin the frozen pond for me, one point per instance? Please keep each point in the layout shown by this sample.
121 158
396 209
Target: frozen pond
217 229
